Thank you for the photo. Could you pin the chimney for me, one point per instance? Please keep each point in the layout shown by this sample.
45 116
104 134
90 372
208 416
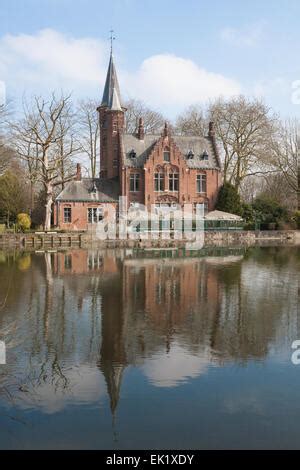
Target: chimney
141 129
78 172
211 131
166 130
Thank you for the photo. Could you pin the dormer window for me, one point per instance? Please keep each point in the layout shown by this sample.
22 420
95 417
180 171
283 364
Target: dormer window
204 155
132 153
190 154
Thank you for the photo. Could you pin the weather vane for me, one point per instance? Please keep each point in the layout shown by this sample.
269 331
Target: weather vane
112 38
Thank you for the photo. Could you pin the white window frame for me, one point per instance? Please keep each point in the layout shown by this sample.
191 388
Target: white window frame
66 219
159 178
173 179
200 185
97 214
135 178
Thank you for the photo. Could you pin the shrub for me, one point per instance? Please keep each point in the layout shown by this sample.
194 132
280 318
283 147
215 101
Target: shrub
269 213
297 219
23 222
229 200
248 215
2 228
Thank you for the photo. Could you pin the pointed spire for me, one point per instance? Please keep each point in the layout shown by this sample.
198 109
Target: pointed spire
113 374
112 96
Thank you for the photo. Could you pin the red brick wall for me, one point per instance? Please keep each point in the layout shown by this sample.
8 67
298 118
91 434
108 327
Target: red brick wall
79 214
187 193
111 125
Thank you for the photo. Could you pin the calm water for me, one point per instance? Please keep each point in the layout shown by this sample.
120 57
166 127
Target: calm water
112 350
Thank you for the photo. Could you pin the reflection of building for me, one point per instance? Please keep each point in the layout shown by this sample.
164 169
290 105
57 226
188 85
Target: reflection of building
84 262
154 307
101 311
161 170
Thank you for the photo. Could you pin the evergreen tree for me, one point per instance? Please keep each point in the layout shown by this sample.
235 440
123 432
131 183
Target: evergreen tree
229 200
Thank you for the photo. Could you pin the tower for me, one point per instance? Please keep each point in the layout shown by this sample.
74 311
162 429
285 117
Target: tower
111 119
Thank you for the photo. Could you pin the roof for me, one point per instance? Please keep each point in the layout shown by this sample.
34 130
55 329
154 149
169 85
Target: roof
141 147
186 144
219 215
111 95
90 190
197 145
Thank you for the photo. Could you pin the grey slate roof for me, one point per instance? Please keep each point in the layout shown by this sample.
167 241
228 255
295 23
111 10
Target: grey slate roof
141 147
198 145
106 190
111 95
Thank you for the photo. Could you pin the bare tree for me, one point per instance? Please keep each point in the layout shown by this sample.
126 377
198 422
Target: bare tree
67 144
6 157
192 122
245 129
37 139
5 152
287 155
28 150
153 120
88 121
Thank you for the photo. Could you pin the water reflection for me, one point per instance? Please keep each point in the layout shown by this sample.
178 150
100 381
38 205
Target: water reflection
75 321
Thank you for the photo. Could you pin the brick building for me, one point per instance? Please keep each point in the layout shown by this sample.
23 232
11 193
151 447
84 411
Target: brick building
154 170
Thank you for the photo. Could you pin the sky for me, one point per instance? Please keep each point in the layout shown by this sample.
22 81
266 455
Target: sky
168 53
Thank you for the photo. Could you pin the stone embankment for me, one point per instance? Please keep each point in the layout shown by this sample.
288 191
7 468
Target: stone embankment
55 240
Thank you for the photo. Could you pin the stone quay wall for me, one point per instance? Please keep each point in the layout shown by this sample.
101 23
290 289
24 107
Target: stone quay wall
55 240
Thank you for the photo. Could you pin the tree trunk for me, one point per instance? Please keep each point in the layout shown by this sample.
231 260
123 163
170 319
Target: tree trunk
298 185
48 207
31 198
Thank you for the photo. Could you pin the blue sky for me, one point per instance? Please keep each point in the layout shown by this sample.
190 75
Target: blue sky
169 53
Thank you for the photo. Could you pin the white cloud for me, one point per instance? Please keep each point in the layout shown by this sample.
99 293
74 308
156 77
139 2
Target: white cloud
249 36
175 368
51 60
168 82
2 93
85 385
